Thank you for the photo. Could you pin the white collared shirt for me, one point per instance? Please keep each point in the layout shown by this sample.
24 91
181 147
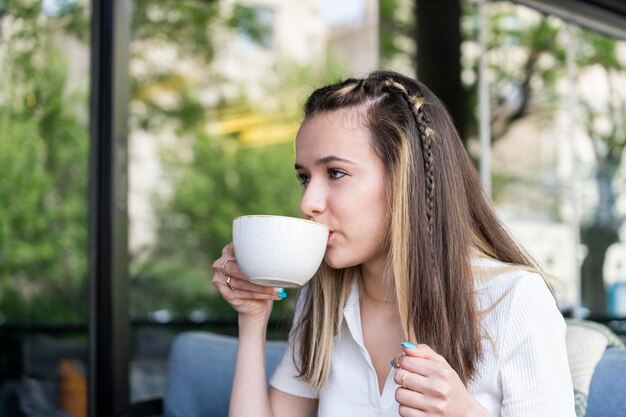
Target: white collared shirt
523 373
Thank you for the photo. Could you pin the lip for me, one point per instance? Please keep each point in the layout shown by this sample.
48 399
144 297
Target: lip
330 235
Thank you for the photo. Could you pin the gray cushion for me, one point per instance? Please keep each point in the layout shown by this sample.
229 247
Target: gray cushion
607 392
200 373
586 343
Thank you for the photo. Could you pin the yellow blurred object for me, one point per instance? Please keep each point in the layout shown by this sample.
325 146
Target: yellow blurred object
266 135
72 388
242 122
31 100
254 128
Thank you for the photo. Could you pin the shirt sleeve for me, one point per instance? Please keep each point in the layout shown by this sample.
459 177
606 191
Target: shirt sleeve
535 376
285 377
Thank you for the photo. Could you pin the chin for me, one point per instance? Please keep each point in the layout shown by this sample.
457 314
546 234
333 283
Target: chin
337 262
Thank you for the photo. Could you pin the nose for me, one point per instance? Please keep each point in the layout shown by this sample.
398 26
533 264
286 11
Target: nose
313 201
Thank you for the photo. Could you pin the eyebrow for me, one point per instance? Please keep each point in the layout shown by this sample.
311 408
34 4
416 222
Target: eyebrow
326 160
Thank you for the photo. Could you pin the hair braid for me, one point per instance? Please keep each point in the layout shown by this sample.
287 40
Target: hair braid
426 142
425 134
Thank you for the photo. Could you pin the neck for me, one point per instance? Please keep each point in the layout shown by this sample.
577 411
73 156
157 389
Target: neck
375 287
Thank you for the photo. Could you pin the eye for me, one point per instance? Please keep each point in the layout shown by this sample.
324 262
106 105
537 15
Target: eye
303 178
335 174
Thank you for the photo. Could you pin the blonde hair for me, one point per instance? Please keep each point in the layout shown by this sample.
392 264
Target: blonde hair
438 216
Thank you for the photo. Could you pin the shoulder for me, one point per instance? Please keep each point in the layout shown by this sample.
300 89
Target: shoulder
525 344
498 284
513 300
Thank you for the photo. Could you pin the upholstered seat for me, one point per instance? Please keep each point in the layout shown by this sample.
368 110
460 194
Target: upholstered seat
201 367
200 373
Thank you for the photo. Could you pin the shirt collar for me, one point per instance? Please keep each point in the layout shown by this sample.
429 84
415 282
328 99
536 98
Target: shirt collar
352 312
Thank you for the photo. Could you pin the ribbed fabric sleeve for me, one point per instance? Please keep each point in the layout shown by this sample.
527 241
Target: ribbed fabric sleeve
534 372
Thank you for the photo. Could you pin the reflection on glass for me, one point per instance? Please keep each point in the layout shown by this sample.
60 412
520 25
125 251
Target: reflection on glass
43 216
558 140
216 100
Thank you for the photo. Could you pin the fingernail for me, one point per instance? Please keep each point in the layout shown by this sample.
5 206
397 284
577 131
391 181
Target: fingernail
279 290
282 295
408 345
391 362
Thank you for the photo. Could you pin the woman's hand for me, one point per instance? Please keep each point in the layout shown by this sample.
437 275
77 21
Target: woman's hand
430 387
251 301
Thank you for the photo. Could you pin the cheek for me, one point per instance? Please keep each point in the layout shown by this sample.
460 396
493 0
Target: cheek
375 211
372 229
373 222
364 224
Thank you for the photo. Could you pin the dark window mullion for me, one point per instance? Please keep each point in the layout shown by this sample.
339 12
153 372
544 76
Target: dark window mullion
109 325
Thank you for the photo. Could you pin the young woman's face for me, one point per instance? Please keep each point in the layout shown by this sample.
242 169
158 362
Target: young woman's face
344 187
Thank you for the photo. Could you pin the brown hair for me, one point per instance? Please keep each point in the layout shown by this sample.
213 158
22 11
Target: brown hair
438 215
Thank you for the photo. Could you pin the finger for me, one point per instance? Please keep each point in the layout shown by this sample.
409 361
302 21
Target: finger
238 294
411 399
422 351
425 404
438 383
228 267
245 285
228 251
421 366
222 265
410 380
405 411
418 383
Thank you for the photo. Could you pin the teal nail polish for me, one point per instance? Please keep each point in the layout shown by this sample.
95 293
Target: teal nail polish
408 345
391 362
282 295
282 290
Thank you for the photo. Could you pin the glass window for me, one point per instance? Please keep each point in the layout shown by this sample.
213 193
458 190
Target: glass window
44 56
557 102
212 129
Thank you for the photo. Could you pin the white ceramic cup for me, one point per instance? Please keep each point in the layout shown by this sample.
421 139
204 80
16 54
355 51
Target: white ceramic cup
278 251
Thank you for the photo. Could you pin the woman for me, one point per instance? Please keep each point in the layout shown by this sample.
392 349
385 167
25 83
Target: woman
418 270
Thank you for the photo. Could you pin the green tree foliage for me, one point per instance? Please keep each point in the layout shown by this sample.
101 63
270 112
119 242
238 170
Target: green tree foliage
210 178
221 182
44 155
396 30
213 179
43 171
193 28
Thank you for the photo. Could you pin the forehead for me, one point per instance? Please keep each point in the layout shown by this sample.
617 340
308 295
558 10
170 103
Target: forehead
341 133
